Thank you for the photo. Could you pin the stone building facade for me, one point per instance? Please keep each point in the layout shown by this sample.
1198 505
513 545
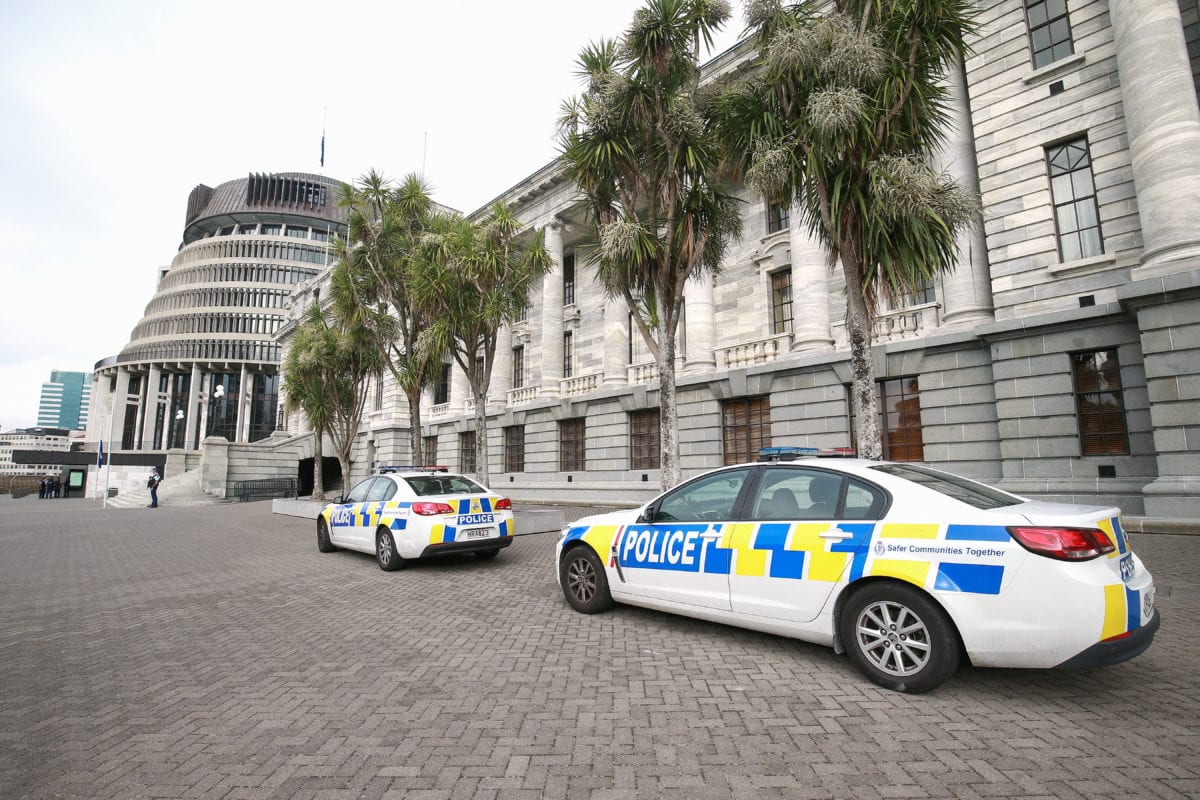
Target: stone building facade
1059 359
203 360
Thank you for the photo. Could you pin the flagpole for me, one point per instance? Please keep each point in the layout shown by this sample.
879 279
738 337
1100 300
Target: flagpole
112 418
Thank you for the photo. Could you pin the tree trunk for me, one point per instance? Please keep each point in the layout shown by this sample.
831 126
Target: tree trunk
481 451
414 420
668 417
318 482
864 402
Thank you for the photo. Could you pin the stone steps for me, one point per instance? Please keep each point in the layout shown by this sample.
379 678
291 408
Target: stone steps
175 491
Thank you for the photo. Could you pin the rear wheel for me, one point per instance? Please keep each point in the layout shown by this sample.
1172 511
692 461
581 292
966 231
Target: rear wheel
584 582
385 551
899 638
324 543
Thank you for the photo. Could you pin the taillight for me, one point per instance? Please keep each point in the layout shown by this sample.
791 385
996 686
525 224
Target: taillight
1065 544
503 504
426 509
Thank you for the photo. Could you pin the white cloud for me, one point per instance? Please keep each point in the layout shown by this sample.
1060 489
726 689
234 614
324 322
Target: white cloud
114 111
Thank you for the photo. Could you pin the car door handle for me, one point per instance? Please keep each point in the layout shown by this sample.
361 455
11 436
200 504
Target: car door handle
710 533
835 533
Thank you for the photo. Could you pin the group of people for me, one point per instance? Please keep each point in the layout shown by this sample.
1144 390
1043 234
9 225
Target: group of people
53 487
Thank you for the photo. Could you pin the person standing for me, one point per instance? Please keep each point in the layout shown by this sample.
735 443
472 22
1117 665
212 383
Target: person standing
42 489
152 484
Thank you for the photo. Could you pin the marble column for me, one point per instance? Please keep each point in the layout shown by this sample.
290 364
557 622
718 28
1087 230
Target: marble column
245 396
193 406
502 368
700 319
810 290
967 291
100 405
550 357
151 408
120 400
1163 122
460 388
616 342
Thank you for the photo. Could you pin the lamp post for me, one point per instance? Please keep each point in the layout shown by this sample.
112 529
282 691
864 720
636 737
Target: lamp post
218 393
178 427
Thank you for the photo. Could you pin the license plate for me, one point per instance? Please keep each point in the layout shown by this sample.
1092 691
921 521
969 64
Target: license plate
478 533
1126 567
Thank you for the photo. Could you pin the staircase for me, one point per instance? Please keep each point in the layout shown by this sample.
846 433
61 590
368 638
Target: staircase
175 491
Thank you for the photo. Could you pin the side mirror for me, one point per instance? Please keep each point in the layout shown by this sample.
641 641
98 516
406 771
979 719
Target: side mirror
338 499
647 516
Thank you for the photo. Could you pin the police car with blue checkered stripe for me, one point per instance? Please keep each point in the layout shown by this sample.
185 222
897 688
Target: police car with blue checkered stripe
406 513
906 568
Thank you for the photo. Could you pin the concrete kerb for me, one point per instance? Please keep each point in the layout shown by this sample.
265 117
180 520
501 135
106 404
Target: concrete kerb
527 520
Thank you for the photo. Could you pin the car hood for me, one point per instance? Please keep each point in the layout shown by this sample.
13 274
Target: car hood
626 516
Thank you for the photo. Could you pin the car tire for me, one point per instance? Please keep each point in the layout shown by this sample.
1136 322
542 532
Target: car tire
584 582
385 551
487 555
324 543
899 638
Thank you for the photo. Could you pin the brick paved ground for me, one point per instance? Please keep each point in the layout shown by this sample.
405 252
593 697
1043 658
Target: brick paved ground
214 653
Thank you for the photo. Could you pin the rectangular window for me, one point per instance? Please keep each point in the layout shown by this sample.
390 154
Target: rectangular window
1099 403
900 412
514 448
379 393
441 389
777 216
571 449
745 427
569 280
518 373
297 232
466 452
271 230
644 449
429 445
1049 31
1076 212
568 354
781 301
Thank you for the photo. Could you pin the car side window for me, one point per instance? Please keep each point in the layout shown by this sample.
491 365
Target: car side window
864 501
382 489
797 493
360 492
709 498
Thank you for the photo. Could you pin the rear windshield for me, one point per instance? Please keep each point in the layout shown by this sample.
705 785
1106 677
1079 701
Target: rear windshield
968 491
434 485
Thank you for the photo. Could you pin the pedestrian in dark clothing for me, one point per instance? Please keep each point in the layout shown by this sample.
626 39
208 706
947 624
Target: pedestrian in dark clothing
42 489
152 484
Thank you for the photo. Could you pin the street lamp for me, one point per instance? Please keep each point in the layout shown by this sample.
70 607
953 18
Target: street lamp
218 393
178 427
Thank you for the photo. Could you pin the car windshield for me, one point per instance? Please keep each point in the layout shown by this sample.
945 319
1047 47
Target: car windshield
433 485
968 491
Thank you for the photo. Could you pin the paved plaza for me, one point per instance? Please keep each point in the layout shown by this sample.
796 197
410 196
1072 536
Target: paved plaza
212 652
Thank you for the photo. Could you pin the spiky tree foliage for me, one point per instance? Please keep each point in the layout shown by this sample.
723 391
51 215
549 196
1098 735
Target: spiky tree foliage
327 373
841 119
641 145
375 273
472 278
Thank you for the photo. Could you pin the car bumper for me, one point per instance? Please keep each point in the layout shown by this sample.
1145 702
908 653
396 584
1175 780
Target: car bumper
473 546
1102 654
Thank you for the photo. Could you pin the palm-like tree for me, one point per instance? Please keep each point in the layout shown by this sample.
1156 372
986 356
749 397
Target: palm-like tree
384 223
327 373
473 278
841 119
640 142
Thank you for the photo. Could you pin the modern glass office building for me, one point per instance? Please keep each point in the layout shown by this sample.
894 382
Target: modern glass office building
64 400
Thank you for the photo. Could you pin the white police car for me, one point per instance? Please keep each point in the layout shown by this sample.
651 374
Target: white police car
905 567
405 513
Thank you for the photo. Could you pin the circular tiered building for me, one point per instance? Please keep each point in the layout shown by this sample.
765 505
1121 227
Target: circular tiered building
203 360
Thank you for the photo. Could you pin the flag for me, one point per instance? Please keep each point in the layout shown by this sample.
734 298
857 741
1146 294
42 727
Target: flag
322 149
100 456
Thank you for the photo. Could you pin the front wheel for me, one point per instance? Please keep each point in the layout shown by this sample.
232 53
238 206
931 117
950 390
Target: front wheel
385 551
584 582
899 638
324 543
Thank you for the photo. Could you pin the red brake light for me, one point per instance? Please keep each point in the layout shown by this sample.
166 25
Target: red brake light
426 509
1065 544
503 504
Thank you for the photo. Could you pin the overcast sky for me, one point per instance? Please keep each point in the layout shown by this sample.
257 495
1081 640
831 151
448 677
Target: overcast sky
112 112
